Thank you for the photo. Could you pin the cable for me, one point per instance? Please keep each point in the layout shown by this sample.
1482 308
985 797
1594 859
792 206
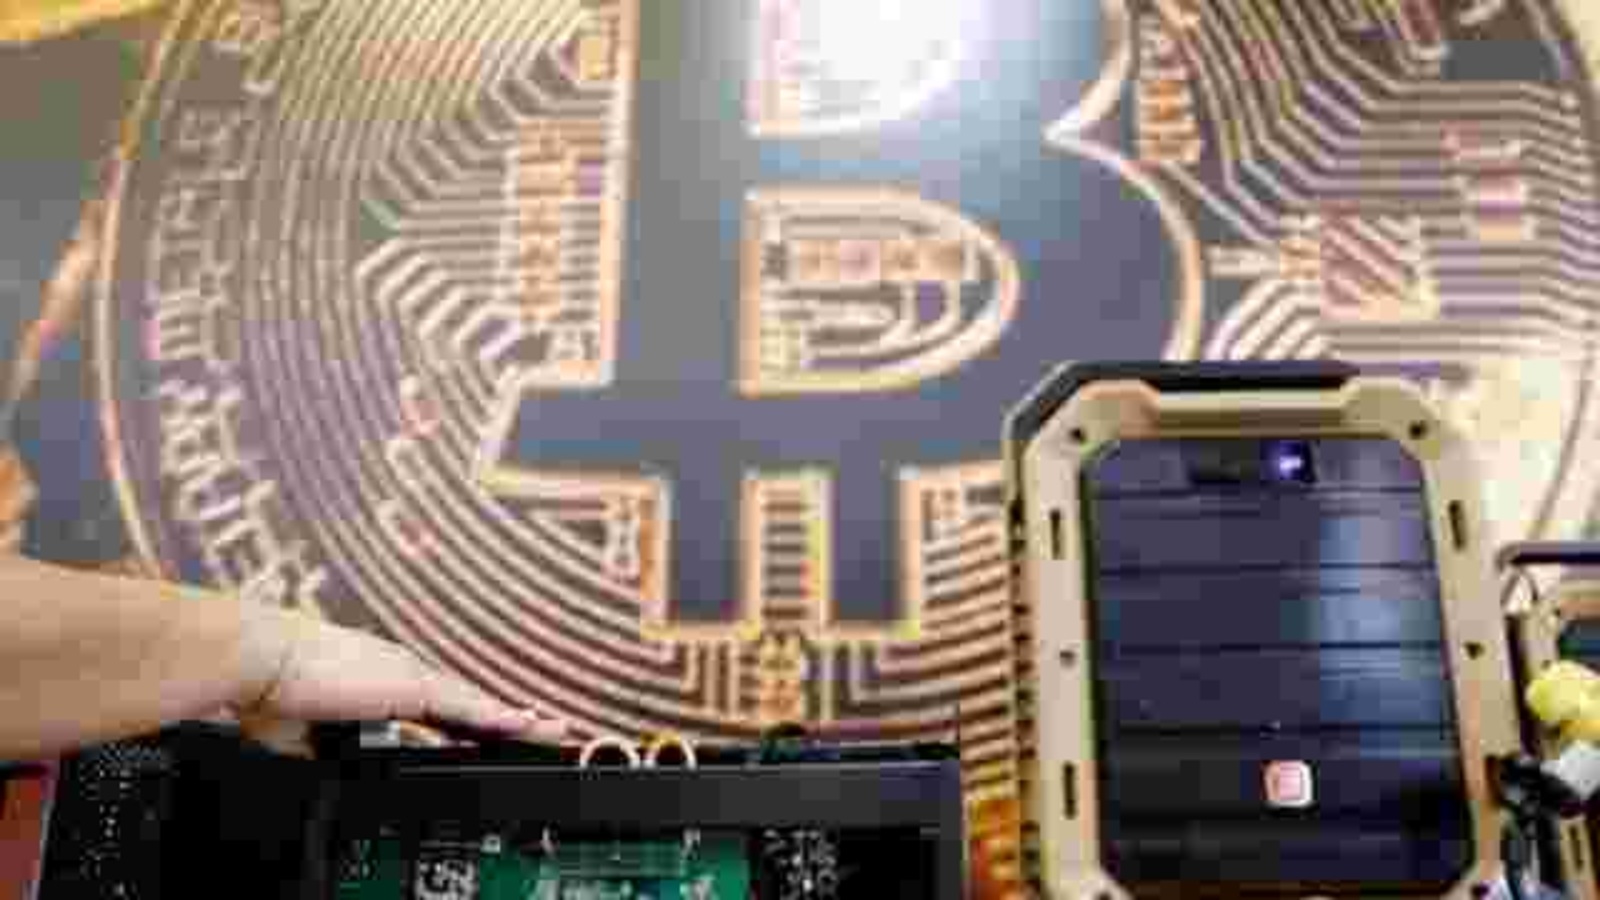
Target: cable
1516 852
1523 788
1520 574
652 756
626 748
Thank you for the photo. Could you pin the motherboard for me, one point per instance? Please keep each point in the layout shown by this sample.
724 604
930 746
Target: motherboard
529 864
494 868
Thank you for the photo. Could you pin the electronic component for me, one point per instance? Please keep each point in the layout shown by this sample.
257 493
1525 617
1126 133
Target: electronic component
108 823
536 867
1257 659
789 820
1565 698
1552 627
129 819
383 816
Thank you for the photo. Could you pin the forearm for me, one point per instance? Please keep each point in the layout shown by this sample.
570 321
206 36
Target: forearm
86 657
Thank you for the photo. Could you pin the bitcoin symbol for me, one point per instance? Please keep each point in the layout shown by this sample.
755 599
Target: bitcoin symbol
771 414
653 374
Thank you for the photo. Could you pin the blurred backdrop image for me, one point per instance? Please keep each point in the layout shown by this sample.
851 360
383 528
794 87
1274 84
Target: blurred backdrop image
645 360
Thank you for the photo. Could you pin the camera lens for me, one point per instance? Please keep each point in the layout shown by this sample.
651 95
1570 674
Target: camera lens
1291 462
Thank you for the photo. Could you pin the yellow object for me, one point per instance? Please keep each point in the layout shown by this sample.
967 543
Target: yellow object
26 21
652 755
1566 697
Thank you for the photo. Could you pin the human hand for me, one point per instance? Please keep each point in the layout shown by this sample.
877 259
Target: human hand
17 495
304 670
86 658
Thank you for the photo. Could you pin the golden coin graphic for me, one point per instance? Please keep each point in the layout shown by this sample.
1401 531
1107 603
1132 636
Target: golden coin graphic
644 360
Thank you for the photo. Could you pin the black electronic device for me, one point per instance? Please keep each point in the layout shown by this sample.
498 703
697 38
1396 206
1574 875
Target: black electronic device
1263 653
786 820
195 811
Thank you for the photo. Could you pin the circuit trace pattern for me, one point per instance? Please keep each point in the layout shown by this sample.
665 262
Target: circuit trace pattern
644 359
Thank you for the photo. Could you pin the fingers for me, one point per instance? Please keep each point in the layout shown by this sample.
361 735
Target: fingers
17 495
11 539
447 699
454 701
334 674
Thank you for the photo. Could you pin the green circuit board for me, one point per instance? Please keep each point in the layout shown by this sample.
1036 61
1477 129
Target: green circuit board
708 868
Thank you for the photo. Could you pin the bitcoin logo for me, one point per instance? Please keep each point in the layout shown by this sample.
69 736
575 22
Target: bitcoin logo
646 360
665 410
